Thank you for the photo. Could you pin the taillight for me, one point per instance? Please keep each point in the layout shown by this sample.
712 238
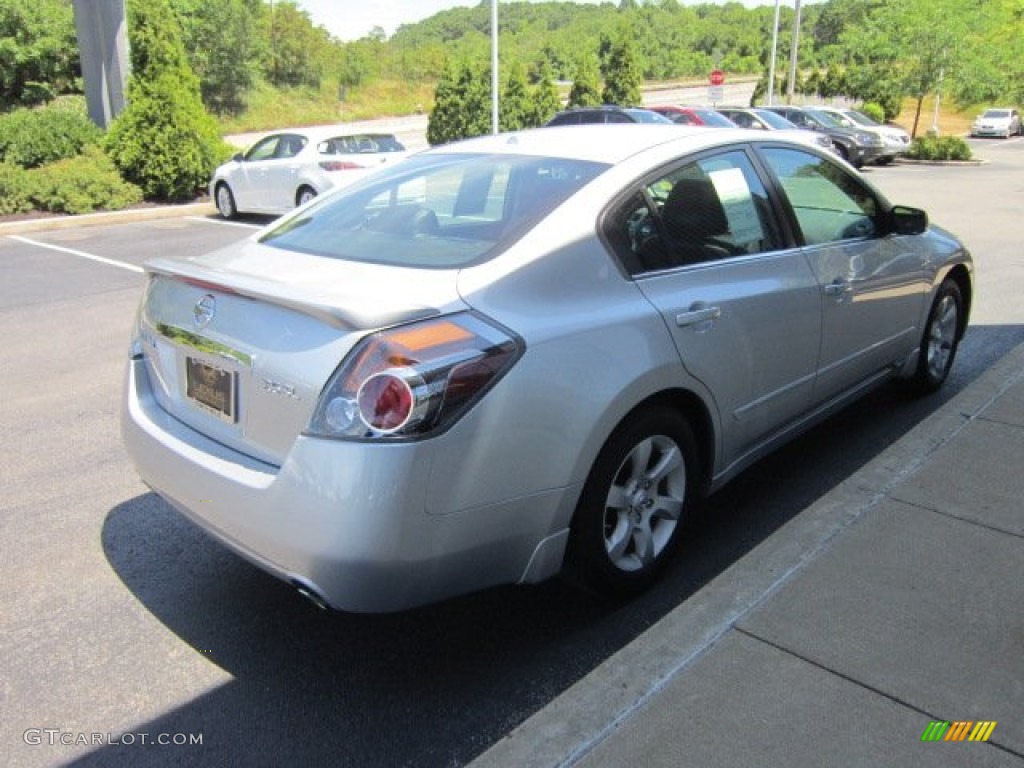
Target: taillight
415 379
340 165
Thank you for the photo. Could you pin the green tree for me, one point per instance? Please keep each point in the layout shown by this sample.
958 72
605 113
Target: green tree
298 49
586 84
38 50
461 105
622 75
221 38
514 104
165 142
546 101
900 47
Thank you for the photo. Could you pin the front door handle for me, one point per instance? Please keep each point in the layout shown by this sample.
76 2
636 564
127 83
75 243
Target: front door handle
698 314
839 288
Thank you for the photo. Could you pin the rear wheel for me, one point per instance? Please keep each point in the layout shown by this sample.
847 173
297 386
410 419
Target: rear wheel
634 502
225 201
941 337
304 195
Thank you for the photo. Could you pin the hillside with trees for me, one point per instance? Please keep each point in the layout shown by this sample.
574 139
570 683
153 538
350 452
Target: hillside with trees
254 64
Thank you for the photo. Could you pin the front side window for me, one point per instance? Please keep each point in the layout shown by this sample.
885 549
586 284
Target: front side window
828 203
264 150
711 209
435 211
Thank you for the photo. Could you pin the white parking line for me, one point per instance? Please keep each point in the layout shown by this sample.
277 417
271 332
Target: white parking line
207 220
81 254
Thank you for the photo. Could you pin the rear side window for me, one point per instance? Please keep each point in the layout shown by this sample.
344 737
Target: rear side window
828 203
435 211
712 209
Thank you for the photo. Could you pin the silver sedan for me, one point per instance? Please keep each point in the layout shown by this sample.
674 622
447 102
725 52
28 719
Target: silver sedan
526 354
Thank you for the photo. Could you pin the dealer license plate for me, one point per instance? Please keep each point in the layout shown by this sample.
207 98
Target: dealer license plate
212 388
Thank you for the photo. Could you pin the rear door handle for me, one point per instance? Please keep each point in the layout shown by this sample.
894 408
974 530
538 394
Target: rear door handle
697 315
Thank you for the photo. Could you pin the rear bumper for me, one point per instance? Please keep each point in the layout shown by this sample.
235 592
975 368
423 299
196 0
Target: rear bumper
343 520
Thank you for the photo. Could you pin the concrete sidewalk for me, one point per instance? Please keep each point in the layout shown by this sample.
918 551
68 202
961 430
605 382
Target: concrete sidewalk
895 600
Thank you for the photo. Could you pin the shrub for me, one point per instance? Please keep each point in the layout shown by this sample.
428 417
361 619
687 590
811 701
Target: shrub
82 184
164 141
14 197
939 148
34 137
875 111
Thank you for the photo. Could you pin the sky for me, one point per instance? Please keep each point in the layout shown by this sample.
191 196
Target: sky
352 19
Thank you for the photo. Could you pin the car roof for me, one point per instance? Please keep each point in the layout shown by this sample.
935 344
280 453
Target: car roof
601 142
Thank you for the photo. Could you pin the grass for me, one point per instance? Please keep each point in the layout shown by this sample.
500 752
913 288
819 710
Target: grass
952 121
270 107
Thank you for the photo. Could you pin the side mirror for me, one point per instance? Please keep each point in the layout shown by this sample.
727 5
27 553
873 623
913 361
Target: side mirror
239 157
908 221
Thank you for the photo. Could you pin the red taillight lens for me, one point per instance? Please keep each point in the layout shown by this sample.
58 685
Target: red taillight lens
413 380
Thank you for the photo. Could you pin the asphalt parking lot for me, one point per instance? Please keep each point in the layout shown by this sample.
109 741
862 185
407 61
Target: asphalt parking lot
126 637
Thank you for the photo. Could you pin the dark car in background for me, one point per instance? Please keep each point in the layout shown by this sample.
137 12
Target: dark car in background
607 113
694 116
858 147
764 120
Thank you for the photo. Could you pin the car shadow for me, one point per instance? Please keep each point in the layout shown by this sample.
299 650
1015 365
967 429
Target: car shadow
436 686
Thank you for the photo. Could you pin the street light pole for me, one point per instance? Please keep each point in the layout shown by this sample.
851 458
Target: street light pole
791 86
494 66
775 45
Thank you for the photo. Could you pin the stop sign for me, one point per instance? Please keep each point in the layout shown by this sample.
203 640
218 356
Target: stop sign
717 77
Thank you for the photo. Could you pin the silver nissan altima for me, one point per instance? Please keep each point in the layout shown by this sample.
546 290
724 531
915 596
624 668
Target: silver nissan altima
525 354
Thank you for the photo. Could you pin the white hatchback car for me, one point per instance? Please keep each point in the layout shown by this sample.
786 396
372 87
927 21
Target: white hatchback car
289 168
524 352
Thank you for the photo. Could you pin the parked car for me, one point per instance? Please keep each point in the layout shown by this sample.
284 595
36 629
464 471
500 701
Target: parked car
856 146
606 114
998 121
289 168
524 353
766 120
895 139
694 116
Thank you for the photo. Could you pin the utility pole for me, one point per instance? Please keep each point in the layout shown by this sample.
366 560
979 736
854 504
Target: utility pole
103 46
494 67
791 85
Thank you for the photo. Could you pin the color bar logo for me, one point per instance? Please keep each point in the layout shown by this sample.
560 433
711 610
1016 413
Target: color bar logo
961 730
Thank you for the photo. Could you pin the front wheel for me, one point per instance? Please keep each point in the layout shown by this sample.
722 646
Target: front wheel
941 337
634 503
225 201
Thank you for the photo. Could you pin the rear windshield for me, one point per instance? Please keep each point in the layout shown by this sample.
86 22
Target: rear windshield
360 144
435 211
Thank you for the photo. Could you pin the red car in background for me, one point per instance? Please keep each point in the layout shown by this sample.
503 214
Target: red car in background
694 116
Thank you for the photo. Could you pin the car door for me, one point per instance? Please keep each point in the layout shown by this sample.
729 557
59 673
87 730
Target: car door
743 311
247 182
279 181
873 283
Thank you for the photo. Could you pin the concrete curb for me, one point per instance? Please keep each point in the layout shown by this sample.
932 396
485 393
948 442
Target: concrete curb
593 709
106 217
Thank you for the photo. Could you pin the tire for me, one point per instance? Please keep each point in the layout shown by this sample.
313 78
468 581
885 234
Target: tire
940 340
304 195
634 503
225 201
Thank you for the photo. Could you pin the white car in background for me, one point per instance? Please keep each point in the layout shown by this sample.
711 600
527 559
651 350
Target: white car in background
285 169
897 140
998 121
